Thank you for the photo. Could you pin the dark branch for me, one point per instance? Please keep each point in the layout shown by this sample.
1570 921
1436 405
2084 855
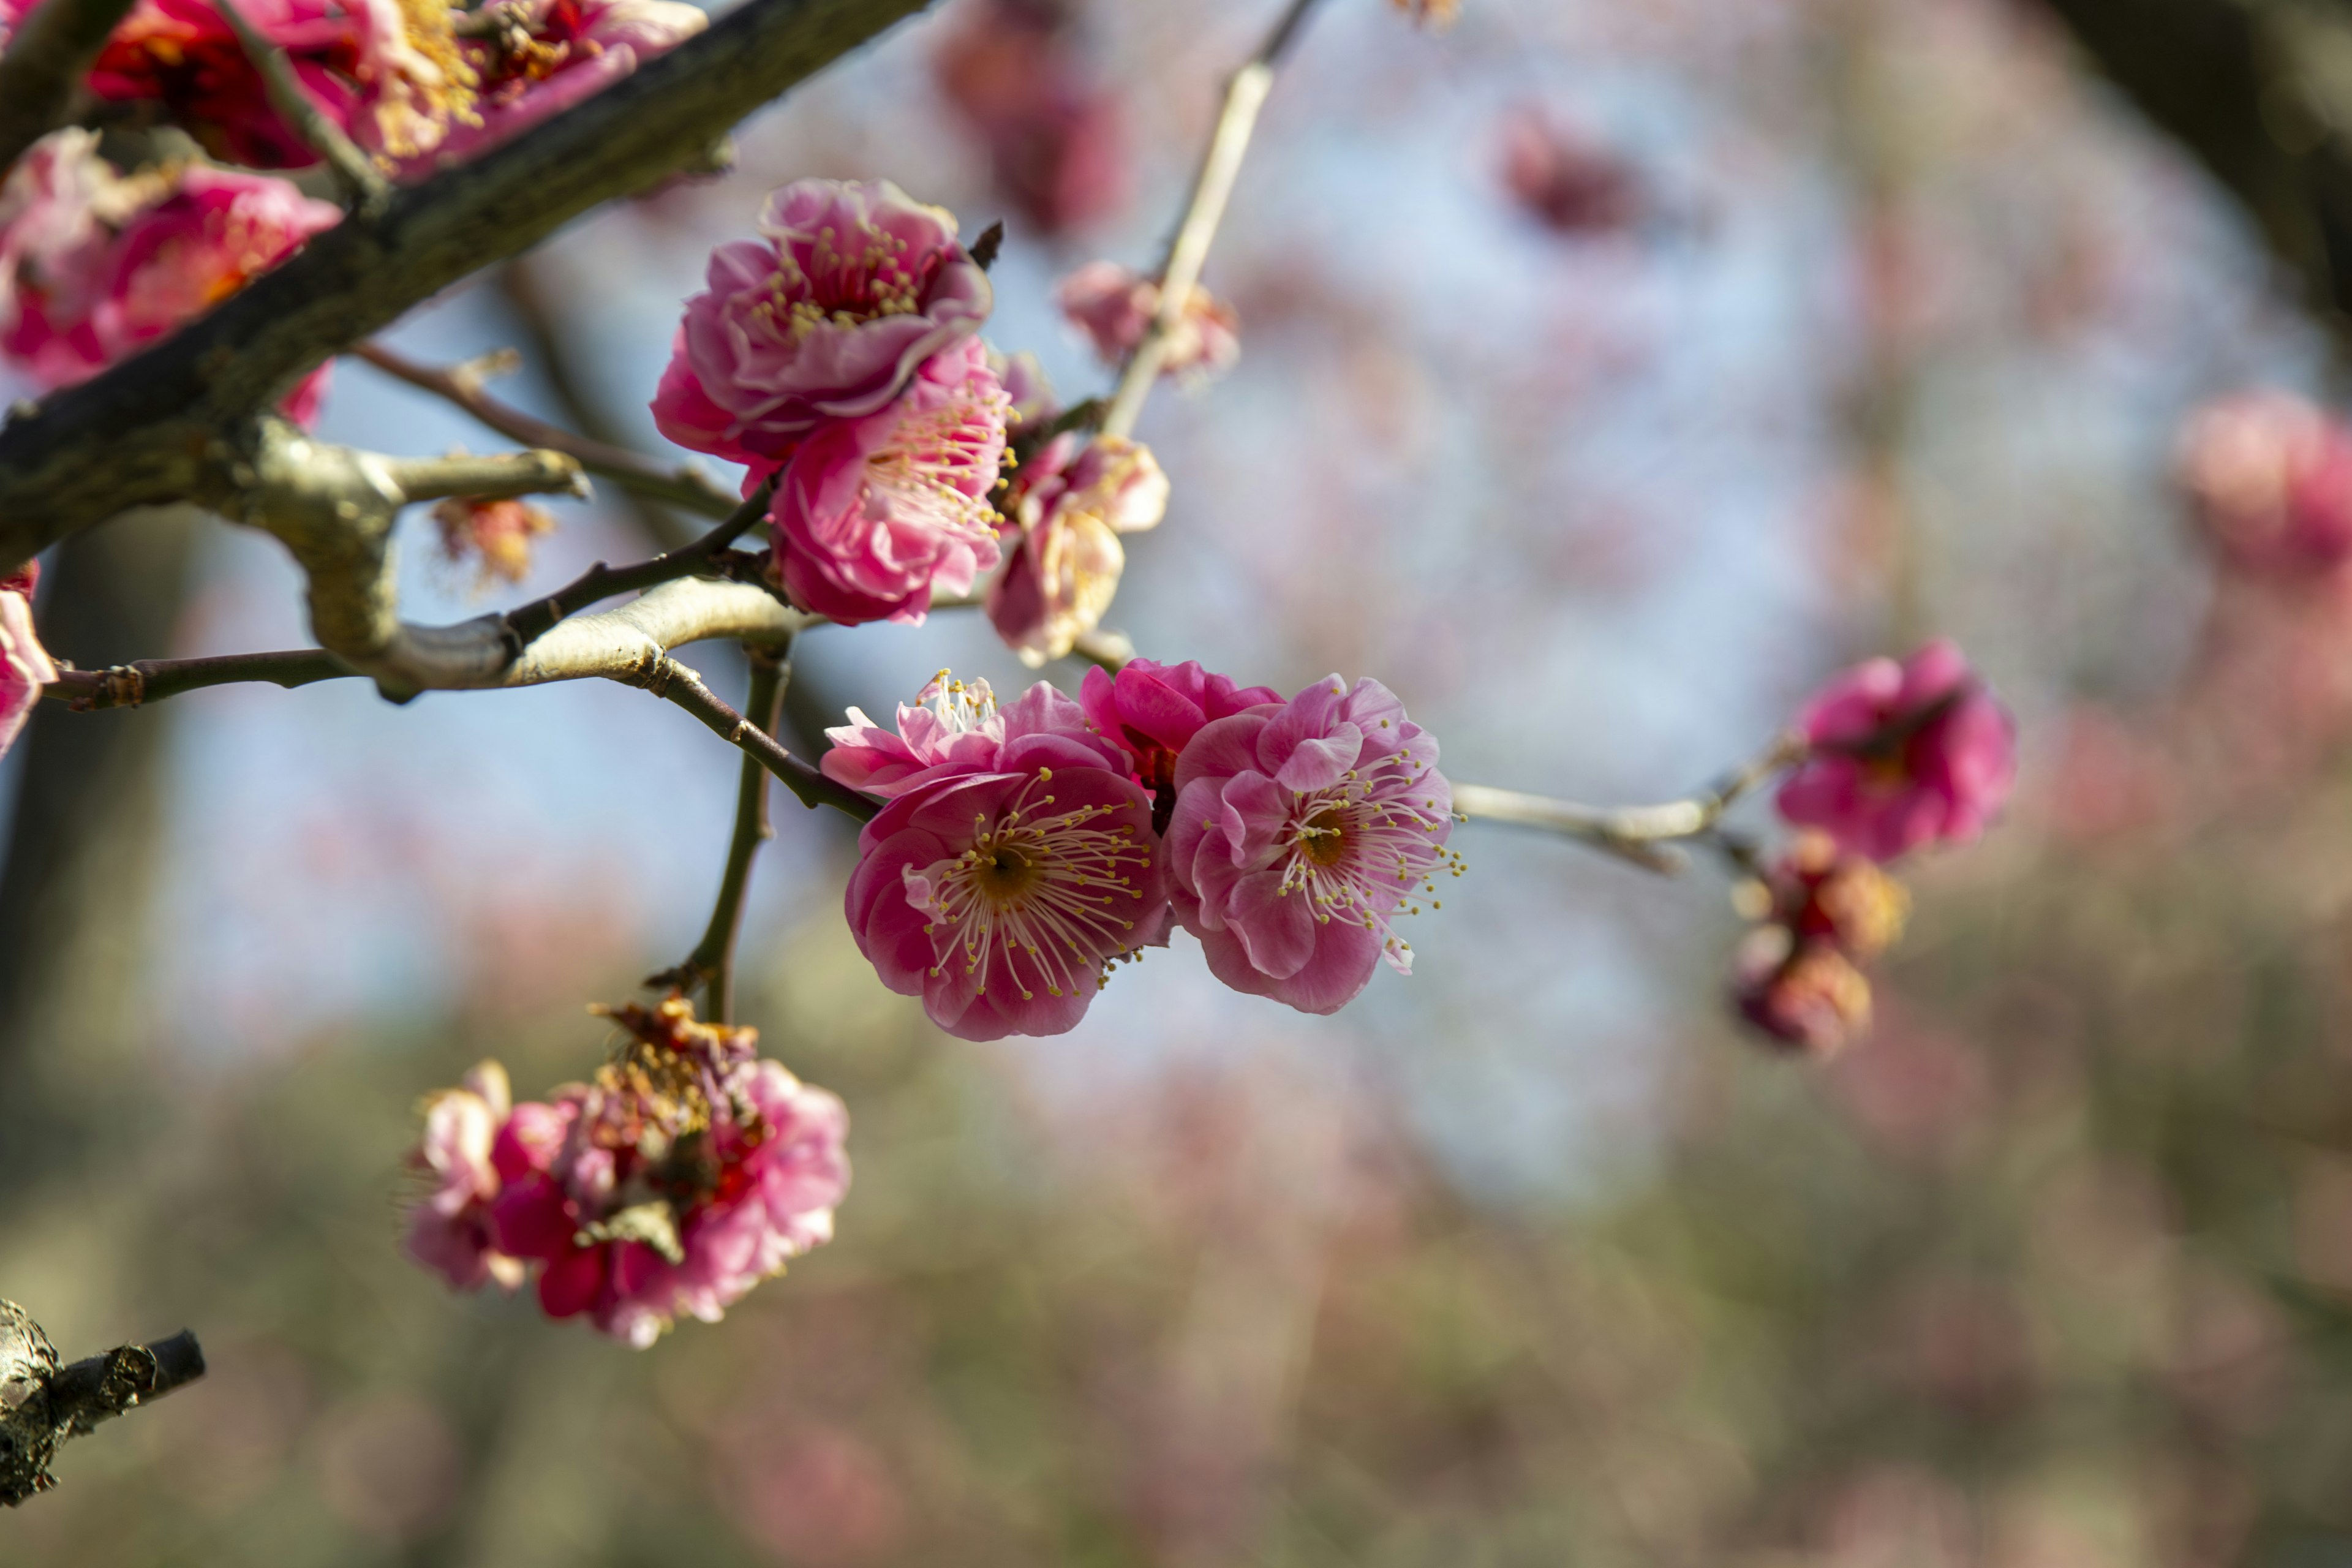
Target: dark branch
43 1404
528 621
152 679
673 682
50 54
152 428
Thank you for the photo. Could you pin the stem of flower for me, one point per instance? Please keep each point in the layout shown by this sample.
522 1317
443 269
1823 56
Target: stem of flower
1643 835
711 964
674 683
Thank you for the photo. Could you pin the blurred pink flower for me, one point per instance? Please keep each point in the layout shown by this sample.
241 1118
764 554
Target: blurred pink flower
854 288
1153 710
1903 755
1822 893
1803 994
548 55
94 266
1114 307
1054 138
1568 184
1298 837
1071 502
25 665
449 1232
2271 477
686 1172
495 534
1000 888
875 514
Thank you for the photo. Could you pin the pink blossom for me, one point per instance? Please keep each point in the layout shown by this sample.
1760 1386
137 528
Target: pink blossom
683 1174
853 288
1800 993
548 55
1114 306
1000 886
2271 477
449 1232
25 665
1820 893
1071 502
1300 833
1153 710
1565 182
1902 755
58 209
1054 137
875 514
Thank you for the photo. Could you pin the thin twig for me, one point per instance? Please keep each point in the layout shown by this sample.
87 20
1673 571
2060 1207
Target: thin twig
674 683
711 964
360 179
1181 273
152 679
1643 835
528 621
46 62
43 1404
686 486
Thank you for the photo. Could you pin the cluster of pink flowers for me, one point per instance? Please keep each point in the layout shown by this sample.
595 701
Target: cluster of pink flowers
2270 476
1053 135
1025 850
95 265
1796 976
684 1173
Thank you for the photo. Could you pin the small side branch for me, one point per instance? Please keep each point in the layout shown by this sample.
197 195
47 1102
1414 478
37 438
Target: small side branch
711 965
43 1404
1212 189
152 679
674 683
361 181
47 59
1645 835
530 621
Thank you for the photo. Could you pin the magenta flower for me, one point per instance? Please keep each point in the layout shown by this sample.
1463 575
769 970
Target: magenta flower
1114 307
25 665
1902 755
549 55
875 514
1802 993
953 728
686 1172
2271 477
854 288
1001 888
1567 183
1299 834
1153 710
1071 502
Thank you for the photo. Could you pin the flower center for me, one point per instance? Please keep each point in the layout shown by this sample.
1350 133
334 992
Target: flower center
1358 848
845 280
1323 837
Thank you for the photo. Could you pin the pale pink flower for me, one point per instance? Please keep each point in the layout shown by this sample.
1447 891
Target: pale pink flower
1071 500
953 727
854 288
1301 834
25 665
449 1232
1902 755
686 1172
1153 710
1568 183
1115 305
1053 136
549 55
875 514
2271 477
58 210
1000 888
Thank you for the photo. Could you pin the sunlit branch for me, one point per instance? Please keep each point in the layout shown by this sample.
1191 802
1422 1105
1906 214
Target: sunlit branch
354 170
685 486
46 60
44 1404
1180 274
1643 835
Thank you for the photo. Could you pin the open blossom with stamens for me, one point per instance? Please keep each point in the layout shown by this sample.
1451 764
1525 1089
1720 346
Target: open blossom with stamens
1154 710
1902 755
1301 832
2271 477
854 287
25 665
877 513
684 1173
1071 502
1001 888
1114 307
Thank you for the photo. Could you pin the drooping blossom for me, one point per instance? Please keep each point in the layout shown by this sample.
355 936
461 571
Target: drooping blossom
2271 477
545 55
853 288
1821 893
1301 832
25 664
449 1232
95 266
1114 306
684 1173
1071 500
1902 755
1567 183
1155 709
1014 863
496 535
877 513
1054 135
1802 993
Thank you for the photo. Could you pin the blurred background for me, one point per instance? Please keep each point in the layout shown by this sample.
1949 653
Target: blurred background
1612 371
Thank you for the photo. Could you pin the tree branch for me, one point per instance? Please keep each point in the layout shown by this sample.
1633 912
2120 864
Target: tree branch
674 683
1180 274
45 63
602 582
42 1405
1639 833
150 428
152 679
711 965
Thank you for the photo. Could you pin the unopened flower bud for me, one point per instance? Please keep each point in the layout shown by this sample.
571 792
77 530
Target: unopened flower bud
1805 994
